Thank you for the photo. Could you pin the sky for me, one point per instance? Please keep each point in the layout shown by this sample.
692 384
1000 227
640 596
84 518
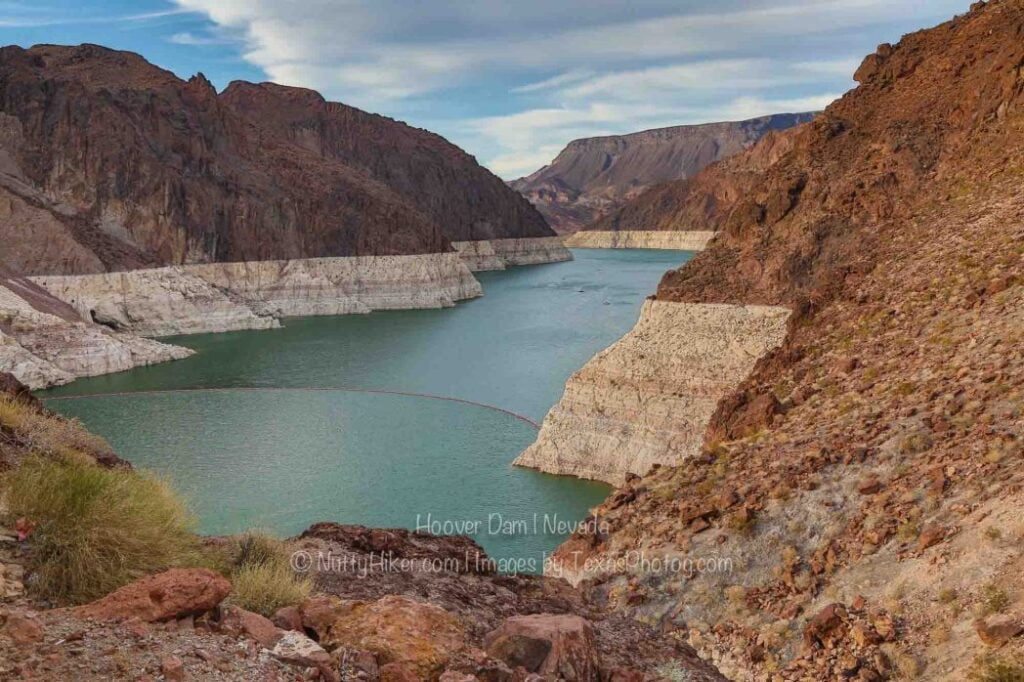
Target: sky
510 82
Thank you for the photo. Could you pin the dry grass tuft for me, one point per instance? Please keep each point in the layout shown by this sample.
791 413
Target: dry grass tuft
96 528
47 434
261 575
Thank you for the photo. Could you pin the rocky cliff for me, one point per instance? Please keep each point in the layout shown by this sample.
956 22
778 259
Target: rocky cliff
690 240
45 342
698 204
864 480
108 163
594 176
647 399
217 297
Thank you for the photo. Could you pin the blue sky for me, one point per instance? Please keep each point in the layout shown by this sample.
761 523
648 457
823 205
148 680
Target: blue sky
510 82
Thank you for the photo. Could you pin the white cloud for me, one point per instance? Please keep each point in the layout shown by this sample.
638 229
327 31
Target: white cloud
555 81
189 38
569 68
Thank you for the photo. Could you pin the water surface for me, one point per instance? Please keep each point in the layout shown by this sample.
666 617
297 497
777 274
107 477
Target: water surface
283 459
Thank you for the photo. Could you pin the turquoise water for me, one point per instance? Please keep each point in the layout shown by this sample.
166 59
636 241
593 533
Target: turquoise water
284 459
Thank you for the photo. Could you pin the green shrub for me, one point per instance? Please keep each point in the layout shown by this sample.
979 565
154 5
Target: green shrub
96 529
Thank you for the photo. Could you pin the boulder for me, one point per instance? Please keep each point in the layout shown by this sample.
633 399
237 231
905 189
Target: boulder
23 628
559 645
166 596
823 625
996 631
319 612
297 649
418 636
930 536
288 618
172 669
252 625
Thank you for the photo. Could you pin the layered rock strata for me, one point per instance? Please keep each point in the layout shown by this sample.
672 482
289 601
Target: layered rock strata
648 398
637 239
41 348
498 254
219 297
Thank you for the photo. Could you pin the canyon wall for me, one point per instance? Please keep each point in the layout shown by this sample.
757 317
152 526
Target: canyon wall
498 254
595 176
109 163
648 398
218 297
859 481
43 342
702 202
693 240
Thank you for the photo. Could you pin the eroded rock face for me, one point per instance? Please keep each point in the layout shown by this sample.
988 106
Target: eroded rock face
559 645
595 176
109 163
445 183
359 568
861 502
219 297
44 342
693 240
498 254
701 202
648 399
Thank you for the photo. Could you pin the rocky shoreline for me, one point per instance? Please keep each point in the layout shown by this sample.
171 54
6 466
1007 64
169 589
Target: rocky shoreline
56 328
498 254
648 398
691 240
217 297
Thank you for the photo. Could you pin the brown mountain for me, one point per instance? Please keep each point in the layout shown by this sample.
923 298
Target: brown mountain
704 201
872 460
108 162
593 176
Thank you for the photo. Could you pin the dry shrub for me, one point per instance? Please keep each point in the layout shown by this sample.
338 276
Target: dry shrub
262 577
96 528
48 434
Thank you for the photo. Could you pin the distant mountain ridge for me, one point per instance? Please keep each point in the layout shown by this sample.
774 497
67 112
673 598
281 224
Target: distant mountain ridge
594 176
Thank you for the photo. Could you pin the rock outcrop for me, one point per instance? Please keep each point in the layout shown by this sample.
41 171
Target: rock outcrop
594 176
219 297
703 202
424 603
692 240
44 342
559 645
173 594
498 254
108 163
648 398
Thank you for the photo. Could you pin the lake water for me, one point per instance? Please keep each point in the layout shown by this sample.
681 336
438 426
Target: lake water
284 457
